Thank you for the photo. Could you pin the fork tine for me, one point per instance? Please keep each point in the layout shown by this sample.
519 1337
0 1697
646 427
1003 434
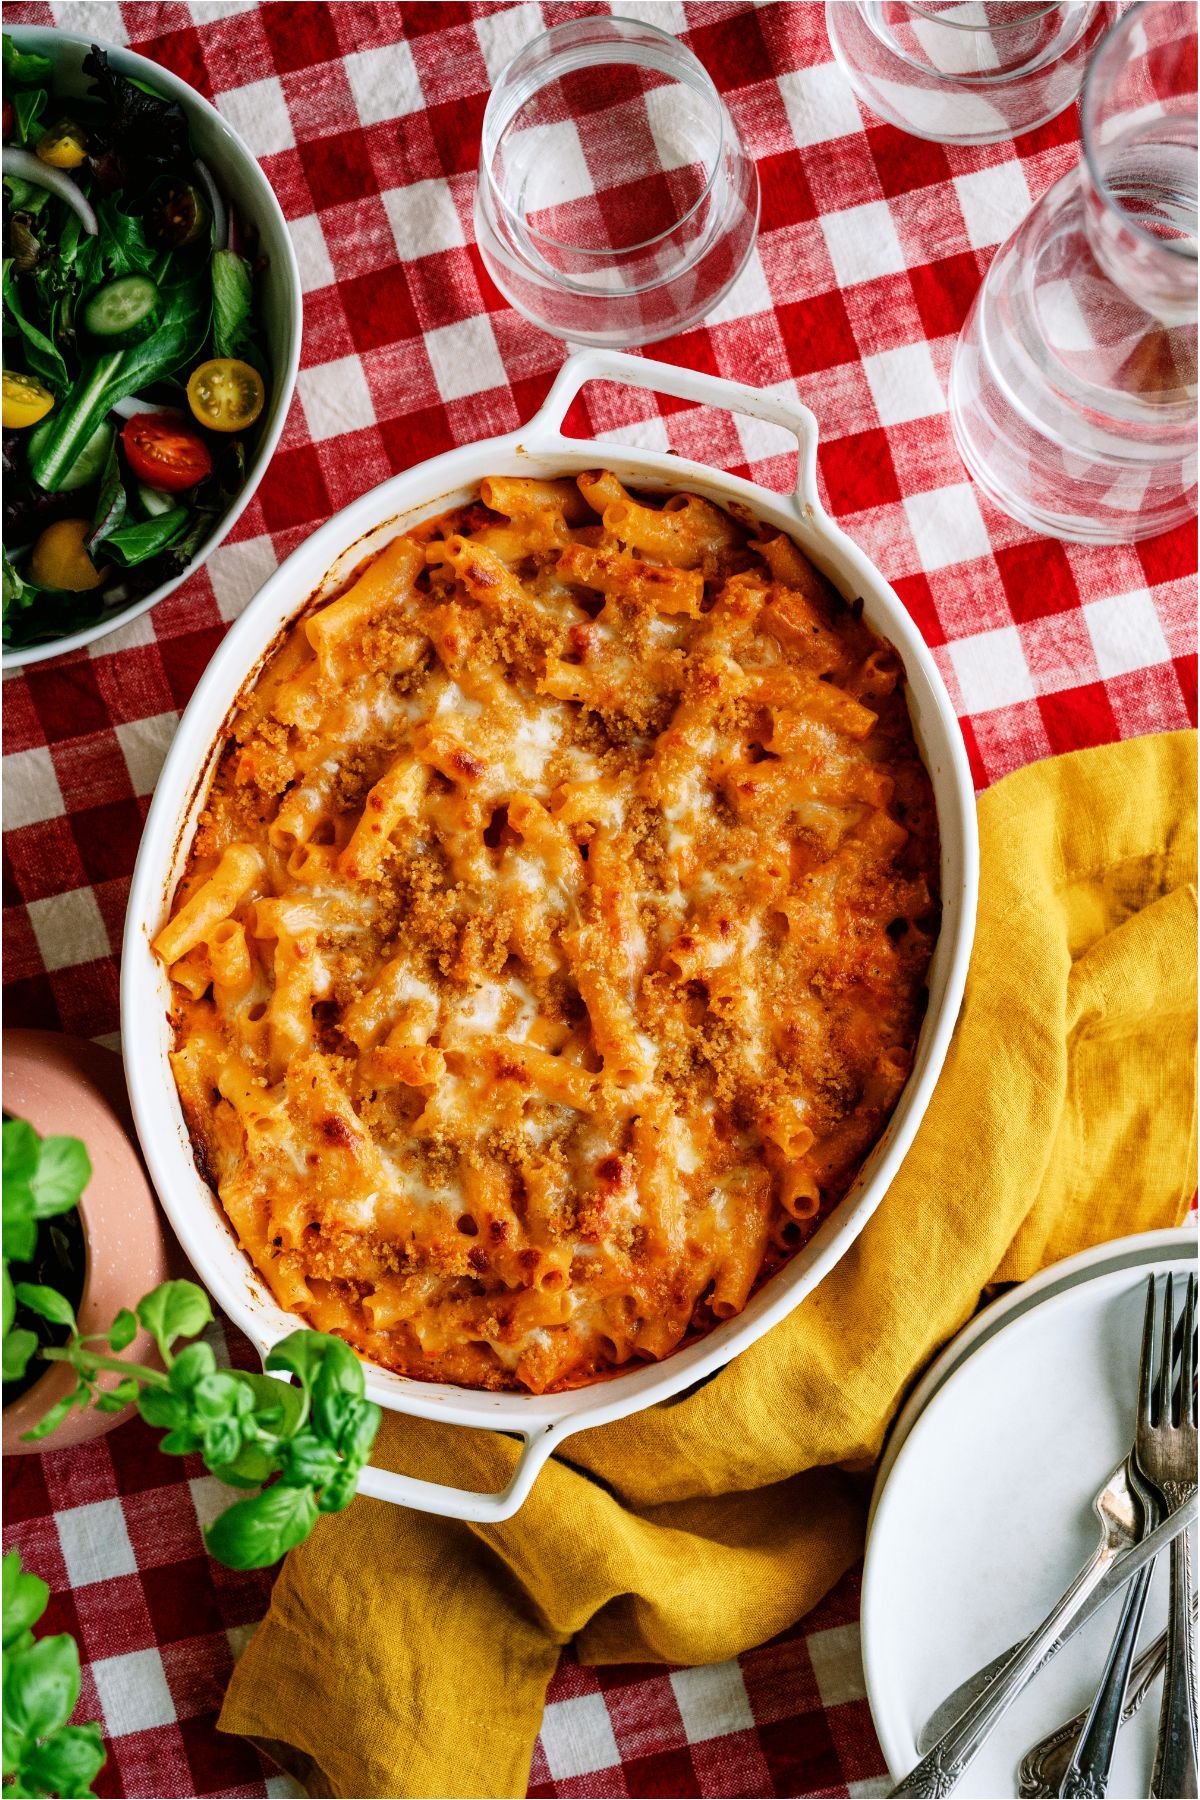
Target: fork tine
1187 1361
1146 1366
1165 1412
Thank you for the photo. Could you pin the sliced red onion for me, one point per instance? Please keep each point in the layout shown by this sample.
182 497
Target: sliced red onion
215 201
131 406
27 167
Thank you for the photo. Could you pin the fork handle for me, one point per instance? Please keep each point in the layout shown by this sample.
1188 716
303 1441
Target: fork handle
1175 1758
940 1771
1088 1770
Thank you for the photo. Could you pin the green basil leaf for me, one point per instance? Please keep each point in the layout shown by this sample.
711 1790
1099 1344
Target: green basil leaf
123 1330
184 1442
41 1688
277 1405
46 1302
249 1469
20 1152
337 1494
25 68
254 1533
222 1441
58 1412
214 1397
66 1763
174 1310
160 1408
64 1170
308 1461
19 1346
132 544
232 301
26 1597
191 1366
10 1301
358 1436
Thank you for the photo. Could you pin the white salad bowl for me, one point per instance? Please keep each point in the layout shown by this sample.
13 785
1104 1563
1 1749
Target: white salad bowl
245 187
317 568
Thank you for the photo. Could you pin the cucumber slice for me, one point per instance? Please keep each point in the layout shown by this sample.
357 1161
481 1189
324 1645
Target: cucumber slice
124 309
88 465
154 503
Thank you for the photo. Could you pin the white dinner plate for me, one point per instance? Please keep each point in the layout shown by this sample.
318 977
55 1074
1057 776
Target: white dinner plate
1176 1244
987 1516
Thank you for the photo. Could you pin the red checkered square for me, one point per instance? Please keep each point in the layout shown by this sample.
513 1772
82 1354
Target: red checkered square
366 120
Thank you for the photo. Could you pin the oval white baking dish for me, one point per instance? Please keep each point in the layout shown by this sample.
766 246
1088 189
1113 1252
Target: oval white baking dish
316 568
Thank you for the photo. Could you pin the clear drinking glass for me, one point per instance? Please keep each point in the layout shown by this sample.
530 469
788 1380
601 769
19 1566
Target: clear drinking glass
1073 386
615 203
965 71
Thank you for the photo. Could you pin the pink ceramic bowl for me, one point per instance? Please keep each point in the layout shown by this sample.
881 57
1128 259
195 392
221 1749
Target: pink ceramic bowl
65 1085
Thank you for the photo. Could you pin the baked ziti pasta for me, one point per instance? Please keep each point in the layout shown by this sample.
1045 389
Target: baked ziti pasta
552 947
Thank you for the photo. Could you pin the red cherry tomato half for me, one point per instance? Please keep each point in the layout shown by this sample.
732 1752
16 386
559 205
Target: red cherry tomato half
8 120
163 453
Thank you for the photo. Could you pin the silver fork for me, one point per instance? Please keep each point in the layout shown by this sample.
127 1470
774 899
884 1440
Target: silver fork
943 1766
1090 1762
1166 1456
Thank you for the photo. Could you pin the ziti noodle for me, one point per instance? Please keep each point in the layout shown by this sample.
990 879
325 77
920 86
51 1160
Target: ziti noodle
552 946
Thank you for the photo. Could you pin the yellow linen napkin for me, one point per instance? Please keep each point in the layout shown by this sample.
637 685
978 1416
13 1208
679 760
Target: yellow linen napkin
408 1655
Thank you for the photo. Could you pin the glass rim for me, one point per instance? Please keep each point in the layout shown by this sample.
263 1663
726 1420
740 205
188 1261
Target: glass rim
979 81
1186 253
1030 17
708 87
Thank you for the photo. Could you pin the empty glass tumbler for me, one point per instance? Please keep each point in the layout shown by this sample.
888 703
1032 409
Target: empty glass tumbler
615 204
1073 385
966 71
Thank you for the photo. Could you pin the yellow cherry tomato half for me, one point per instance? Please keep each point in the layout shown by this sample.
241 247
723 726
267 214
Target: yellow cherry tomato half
62 145
25 401
59 559
226 395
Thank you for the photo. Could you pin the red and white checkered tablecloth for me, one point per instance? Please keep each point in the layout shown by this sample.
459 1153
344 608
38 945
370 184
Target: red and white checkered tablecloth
366 118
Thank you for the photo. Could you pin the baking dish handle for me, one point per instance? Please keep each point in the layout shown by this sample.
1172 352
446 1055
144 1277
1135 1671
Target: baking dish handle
460 1503
543 430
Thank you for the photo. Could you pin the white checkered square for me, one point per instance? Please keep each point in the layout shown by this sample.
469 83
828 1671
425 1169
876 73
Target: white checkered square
863 243
947 526
857 1790
384 82
501 34
133 1692
712 1701
820 104
558 147
577 1737
237 571
90 19
144 743
95 1543
993 202
465 358
423 218
668 15
69 928
646 434
258 113
336 398
282 1787
904 383
1126 633
836 1657
31 790
312 253
991 670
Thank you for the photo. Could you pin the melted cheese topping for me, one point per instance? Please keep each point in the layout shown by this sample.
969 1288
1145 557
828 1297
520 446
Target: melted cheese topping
552 948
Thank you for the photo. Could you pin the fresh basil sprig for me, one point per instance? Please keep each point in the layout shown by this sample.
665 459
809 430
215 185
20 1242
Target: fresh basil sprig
42 1178
42 1753
313 1434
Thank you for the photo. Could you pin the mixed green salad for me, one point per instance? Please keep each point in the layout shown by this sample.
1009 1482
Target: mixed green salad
134 363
